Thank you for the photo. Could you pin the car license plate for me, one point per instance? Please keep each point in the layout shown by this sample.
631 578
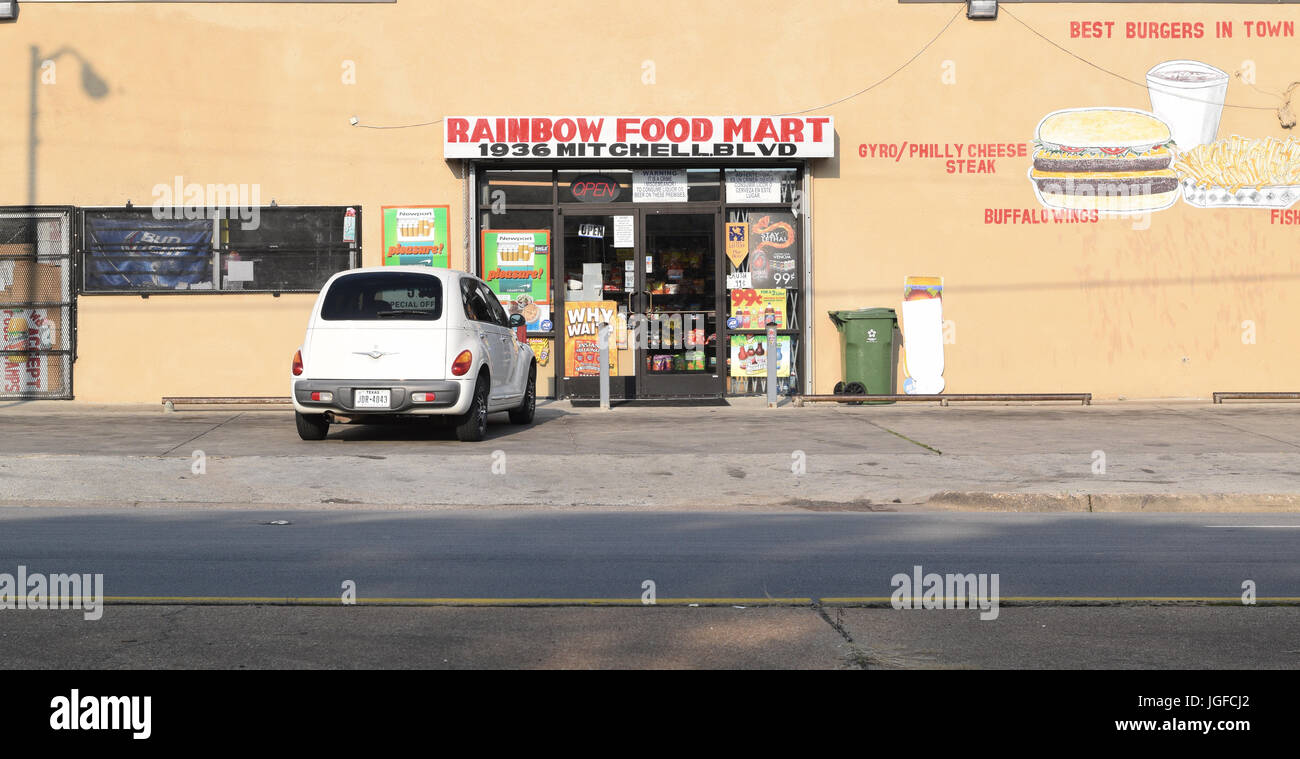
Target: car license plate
371 399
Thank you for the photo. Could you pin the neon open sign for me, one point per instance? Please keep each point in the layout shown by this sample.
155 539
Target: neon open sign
594 188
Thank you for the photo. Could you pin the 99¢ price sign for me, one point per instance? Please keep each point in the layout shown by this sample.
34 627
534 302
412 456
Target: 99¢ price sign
756 309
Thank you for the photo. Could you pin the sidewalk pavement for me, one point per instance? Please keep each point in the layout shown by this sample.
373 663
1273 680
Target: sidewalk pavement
1117 456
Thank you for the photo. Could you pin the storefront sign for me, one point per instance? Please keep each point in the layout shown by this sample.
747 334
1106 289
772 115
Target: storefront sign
659 186
591 230
415 235
516 264
594 188
773 252
638 137
749 356
582 321
753 186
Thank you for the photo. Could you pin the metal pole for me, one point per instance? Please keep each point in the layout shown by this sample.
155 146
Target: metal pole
602 340
771 367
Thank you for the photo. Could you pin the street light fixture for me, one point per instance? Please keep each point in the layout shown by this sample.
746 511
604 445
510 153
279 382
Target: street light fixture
985 9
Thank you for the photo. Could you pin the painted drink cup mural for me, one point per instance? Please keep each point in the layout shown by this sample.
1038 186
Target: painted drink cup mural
1188 96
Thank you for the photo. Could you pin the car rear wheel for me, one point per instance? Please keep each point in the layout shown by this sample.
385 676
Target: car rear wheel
473 425
311 426
524 414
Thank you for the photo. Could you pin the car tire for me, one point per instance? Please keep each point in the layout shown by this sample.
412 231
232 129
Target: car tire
528 407
472 426
311 426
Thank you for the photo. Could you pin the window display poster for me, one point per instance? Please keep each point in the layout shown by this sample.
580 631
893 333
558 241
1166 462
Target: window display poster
415 236
756 309
541 350
516 264
582 320
773 249
749 356
737 242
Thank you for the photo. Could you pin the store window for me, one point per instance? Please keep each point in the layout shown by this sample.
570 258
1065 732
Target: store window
283 249
725 243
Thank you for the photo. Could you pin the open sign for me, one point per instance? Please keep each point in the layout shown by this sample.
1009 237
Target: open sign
594 188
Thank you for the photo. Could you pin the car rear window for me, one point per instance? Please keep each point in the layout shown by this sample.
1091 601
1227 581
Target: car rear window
383 296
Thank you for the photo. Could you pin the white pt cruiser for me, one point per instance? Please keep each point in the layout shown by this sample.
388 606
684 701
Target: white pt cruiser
411 340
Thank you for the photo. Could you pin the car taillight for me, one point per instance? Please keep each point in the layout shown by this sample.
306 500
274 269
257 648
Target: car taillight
297 363
321 396
423 397
462 363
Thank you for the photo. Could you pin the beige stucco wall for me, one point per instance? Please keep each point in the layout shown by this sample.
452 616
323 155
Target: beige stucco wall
254 94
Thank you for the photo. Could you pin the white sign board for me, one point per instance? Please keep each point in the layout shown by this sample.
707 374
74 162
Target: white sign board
659 186
739 280
623 232
638 137
753 186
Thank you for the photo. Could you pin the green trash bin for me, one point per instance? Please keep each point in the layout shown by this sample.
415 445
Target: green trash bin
868 358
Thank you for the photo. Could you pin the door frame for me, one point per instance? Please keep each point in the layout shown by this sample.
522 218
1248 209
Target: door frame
641 384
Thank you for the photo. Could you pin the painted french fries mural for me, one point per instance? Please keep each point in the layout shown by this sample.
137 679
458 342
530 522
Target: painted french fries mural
1122 160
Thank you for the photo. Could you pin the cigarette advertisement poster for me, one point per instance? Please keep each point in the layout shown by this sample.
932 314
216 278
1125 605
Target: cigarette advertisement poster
25 329
749 356
582 321
757 309
415 235
516 264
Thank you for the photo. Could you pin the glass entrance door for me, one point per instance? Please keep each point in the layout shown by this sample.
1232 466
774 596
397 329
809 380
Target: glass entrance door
678 300
654 274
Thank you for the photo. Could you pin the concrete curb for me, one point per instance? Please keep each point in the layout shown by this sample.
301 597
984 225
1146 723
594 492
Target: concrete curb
1116 502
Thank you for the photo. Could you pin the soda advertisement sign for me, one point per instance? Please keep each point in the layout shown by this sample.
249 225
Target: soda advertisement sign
415 235
749 356
638 137
25 329
516 264
582 321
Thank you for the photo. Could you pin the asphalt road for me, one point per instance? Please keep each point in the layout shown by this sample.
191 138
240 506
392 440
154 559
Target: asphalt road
188 553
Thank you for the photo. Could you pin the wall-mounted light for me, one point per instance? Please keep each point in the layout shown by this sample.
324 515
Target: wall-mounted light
982 9
8 10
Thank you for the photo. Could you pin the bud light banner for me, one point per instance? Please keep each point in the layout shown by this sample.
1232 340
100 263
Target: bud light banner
148 253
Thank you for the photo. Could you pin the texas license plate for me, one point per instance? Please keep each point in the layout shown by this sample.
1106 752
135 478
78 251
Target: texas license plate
371 399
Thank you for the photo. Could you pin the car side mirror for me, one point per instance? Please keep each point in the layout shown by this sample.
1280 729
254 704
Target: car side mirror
517 320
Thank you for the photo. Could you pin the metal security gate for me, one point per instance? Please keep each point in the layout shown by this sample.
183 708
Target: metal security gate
37 302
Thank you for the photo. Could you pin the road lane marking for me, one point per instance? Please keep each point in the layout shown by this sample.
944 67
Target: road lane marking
843 601
1254 526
